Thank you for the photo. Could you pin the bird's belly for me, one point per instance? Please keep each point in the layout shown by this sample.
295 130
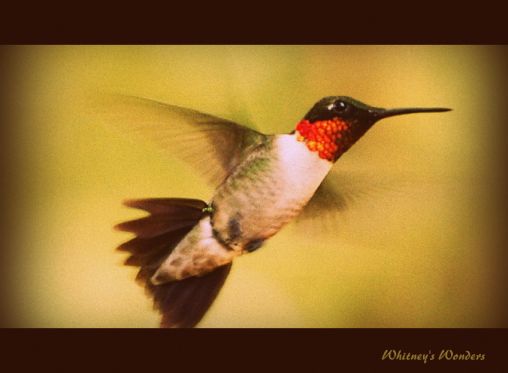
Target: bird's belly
253 206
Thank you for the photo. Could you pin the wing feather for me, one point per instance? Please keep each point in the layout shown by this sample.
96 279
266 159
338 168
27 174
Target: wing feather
212 145
344 190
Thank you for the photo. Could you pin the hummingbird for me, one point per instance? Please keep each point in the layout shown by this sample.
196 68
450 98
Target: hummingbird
184 248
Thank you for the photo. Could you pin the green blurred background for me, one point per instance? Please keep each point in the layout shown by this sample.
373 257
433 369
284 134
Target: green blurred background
420 253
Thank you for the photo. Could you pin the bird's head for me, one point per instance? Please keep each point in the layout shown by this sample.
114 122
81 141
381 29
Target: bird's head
335 123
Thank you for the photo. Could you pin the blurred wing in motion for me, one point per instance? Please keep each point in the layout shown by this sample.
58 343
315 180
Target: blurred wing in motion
212 145
344 190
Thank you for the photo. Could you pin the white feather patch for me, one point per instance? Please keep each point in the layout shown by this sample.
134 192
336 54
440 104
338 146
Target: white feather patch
302 170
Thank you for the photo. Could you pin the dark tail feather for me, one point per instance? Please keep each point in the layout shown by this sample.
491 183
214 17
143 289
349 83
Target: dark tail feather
182 303
165 206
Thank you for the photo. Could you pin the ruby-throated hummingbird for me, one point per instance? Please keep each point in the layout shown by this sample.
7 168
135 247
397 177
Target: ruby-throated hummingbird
185 247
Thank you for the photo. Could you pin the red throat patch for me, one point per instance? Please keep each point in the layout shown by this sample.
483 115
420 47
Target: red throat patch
321 136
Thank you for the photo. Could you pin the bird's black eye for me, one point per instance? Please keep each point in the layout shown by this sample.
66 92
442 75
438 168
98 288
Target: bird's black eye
340 106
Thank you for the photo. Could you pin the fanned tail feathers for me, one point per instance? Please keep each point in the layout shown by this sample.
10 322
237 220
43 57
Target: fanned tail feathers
182 303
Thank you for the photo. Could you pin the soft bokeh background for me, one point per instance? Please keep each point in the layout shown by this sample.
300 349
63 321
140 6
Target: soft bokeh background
418 254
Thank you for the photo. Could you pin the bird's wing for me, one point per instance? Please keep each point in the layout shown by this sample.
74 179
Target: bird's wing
344 189
212 145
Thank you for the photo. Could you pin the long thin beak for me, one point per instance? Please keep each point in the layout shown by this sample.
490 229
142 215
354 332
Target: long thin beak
385 113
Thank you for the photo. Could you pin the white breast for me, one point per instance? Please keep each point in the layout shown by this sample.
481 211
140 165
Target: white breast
302 170
275 197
